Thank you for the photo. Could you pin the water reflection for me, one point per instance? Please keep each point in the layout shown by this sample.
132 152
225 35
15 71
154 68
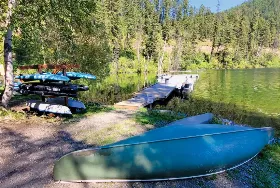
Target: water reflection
254 89
114 88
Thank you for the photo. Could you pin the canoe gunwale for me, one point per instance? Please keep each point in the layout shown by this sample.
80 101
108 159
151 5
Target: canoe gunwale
166 140
152 180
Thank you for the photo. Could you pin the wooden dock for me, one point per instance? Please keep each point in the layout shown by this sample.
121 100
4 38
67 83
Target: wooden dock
159 91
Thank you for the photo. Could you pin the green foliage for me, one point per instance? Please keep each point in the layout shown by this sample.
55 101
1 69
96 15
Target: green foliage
115 88
3 16
216 120
119 37
199 61
1 52
61 32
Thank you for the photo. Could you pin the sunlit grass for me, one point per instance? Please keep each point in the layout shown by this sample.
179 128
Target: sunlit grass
91 109
11 115
110 134
157 117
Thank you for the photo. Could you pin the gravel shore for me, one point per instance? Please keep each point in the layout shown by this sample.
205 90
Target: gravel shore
28 152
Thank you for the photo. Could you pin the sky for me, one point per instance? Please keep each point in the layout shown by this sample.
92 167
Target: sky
212 4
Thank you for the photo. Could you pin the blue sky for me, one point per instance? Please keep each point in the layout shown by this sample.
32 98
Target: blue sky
212 4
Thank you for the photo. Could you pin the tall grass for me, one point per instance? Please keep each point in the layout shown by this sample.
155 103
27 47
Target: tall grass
240 115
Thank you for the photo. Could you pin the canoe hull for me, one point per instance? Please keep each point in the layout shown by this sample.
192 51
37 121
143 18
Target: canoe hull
176 158
199 119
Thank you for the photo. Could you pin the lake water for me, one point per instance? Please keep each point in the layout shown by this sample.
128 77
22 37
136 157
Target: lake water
115 88
254 89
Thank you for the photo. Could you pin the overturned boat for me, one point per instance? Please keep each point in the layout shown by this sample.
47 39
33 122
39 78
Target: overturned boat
178 151
49 108
74 105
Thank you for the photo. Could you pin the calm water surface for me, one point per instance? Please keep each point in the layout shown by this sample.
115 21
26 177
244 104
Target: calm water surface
253 89
257 90
116 88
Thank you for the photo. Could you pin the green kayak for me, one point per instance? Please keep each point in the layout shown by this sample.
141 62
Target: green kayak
171 152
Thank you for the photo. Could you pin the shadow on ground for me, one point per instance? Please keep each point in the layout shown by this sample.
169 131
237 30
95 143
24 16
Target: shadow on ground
30 162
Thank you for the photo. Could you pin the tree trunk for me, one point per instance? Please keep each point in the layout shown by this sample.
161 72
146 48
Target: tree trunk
9 73
169 63
138 58
139 41
8 59
216 31
146 71
116 57
160 62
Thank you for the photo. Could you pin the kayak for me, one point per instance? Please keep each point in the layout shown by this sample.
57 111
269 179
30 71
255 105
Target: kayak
177 151
54 87
45 77
46 107
78 75
71 103
48 93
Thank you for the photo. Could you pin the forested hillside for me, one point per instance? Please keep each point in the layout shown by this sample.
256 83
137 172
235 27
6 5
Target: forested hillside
141 35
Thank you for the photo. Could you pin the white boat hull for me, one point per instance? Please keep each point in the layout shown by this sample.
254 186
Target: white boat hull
47 107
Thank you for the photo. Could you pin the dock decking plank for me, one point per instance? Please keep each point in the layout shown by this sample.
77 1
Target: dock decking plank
159 91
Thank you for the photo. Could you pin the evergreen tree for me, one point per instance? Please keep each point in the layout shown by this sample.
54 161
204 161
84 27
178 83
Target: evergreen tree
160 33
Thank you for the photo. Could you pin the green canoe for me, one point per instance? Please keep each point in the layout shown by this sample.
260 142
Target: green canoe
172 152
199 119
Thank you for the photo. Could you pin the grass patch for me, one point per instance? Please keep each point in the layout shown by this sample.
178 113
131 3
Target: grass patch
212 177
239 115
109 134
11 115
267 171
92 108
157 117
231 174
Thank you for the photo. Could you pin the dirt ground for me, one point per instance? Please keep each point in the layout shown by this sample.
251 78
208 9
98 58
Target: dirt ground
29 149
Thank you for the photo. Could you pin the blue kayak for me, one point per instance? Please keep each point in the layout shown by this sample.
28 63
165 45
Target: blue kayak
45 77
78 75
173 152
